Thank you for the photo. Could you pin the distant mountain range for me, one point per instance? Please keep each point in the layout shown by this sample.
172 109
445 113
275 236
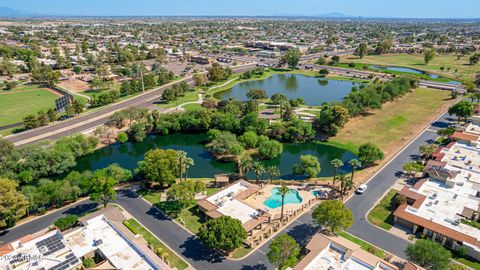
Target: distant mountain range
10 12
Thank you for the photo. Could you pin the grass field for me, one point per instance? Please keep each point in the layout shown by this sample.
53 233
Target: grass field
465 70
24 100
382 214
397 122
172 258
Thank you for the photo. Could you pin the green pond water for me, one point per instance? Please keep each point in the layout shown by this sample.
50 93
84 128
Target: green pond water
129 154
315 91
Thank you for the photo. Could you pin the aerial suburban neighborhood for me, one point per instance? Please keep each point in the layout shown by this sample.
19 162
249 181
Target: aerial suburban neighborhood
208 134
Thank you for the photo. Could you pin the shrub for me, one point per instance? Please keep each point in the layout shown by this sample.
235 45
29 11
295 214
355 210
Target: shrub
88 262
67 222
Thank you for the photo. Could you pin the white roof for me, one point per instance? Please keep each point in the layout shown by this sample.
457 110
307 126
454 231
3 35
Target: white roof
100 234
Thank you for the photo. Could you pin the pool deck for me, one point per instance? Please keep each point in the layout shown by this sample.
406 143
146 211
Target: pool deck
265 193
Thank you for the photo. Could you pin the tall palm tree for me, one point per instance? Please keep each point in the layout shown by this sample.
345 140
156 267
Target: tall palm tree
349 184
283 191
247 166
354 163
336 163
258 169
342 178
182 155
188 163
274 172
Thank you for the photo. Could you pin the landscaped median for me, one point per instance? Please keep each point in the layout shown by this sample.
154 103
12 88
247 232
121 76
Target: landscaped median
161 249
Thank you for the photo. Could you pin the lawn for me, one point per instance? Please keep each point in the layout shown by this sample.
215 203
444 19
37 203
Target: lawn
24 100
382 214
364 245
192 107
172 258
396 123
465 70
190 218
189 96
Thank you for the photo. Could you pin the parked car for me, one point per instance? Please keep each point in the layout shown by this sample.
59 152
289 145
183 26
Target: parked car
361 189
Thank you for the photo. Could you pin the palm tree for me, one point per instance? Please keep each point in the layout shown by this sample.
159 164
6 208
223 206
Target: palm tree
258 168
354 163
274 172
342 178
348 185
247 167
188 163
182 155
283 191
336 163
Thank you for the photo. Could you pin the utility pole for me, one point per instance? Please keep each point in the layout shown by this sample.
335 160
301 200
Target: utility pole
141 75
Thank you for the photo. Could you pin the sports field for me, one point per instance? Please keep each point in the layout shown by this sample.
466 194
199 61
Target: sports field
23 100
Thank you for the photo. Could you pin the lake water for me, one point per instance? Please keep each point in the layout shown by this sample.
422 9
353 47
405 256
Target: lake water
313 90
129 154
406 70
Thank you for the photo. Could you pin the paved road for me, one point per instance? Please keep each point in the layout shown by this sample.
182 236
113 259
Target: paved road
88 121
301 229
379 185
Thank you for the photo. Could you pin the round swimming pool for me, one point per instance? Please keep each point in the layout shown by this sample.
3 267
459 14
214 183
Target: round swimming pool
275 199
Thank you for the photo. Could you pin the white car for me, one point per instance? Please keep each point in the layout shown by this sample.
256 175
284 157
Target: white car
361 189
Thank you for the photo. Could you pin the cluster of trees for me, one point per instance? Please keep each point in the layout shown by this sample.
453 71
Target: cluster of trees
291 58
164 166
42 118
225 143
30 163
137 85
46 75
462 110
176 91
359 101
31 183
252 73
102 99
218 73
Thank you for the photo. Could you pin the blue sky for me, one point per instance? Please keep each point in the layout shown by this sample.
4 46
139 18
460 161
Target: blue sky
377 8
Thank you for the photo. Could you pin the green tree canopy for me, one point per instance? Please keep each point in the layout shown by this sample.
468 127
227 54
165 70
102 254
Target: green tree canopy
284 251
429 254
369 153
103 187
333 215
224 233
292 58
13 204
463 109
309 165
161 166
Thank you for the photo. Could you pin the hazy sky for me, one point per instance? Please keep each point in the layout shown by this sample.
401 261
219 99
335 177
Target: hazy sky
377 8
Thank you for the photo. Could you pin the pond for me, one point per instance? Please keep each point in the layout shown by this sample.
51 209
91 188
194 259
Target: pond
129 154
405 70
313 90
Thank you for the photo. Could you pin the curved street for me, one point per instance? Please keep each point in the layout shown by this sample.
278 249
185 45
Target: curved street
302 229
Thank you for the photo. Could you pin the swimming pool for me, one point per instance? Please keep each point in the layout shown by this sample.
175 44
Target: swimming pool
275 199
